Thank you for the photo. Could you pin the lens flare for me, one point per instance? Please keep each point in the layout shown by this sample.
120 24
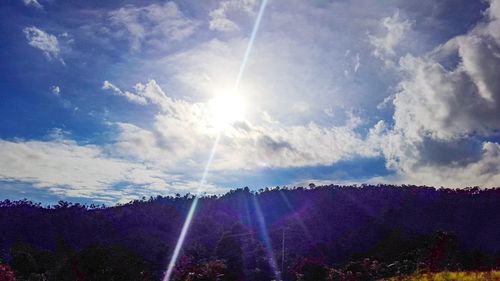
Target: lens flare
194 204
296 216
243 65
267 240
189 218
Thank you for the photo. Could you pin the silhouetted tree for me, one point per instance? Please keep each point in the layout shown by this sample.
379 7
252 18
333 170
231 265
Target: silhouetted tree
229 250
365 231
104 263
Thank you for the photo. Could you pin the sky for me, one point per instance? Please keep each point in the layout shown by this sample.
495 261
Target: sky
109 101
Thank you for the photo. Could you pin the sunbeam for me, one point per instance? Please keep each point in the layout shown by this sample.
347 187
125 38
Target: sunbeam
189 218
265 237
194 204
250 44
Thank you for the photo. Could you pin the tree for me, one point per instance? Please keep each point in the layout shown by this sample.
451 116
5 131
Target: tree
229 249
310 269
23 260
105 263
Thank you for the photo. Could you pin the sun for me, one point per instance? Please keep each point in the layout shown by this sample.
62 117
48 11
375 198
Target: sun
226 109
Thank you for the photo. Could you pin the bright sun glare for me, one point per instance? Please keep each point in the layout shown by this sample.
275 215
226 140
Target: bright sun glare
226 109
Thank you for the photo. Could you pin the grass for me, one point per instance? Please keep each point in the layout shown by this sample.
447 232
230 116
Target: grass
452 276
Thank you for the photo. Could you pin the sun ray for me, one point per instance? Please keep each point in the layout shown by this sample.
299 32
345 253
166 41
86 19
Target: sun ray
250 44
194 204
266 239
189 218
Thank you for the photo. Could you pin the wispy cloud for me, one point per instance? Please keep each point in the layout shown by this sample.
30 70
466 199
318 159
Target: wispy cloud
134 98
150 24
222 17
395 28
33 3
55 90
45 42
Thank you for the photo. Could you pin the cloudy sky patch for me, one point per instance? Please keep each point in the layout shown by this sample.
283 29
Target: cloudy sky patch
396 92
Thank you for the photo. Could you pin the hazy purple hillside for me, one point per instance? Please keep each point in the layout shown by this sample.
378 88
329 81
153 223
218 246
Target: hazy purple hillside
328 225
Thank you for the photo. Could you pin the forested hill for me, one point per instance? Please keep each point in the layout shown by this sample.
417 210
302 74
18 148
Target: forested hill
372 230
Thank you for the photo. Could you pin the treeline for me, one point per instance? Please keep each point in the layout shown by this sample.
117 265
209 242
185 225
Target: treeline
315 233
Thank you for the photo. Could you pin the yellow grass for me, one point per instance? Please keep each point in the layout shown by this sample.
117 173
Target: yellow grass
451 276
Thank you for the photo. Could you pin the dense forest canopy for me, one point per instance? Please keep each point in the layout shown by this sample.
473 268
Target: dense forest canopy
316 232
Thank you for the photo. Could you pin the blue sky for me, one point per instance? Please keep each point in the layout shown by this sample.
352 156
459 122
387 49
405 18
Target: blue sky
107 102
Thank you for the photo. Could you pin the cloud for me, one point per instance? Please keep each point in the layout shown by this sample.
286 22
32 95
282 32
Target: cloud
443 115
293 58
43 41
414 166
183 132
151 93
150 24
304 110
224 16
357 63
66 168
353 63
55 90
275 145
33 3
453 103
129 96
395 30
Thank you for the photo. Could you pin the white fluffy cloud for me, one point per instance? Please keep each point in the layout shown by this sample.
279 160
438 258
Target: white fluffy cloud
150 24
178 142
43 41
447 104
441 114
414 165
183 133
67 168
395 30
